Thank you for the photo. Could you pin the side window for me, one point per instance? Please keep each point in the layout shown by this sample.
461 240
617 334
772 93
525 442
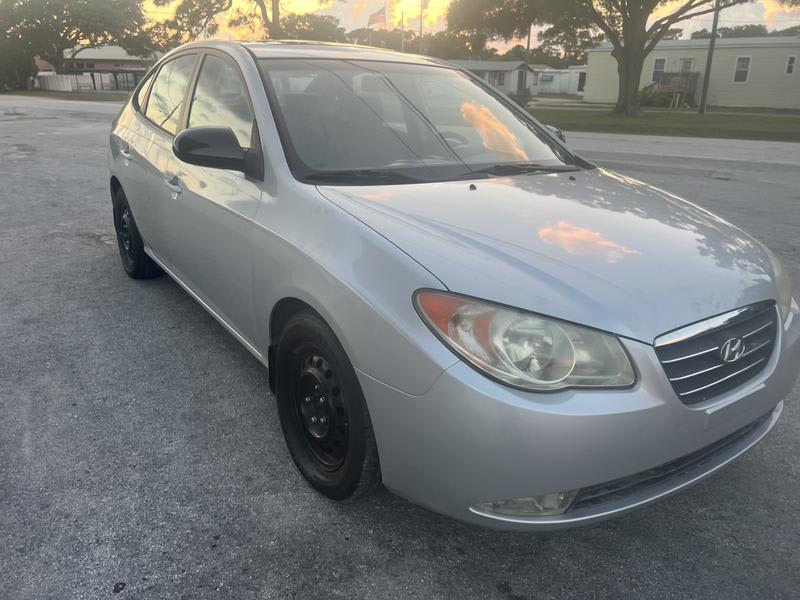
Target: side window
659 66
220 100
742 72
169 90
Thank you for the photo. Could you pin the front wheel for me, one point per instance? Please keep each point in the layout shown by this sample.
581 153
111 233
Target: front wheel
131 247
323 414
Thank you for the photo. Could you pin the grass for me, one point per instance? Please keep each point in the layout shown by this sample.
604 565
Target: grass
712 125
94 96
545 96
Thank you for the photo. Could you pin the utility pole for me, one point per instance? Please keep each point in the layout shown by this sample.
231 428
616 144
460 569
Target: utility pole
402 32
711 43
421 8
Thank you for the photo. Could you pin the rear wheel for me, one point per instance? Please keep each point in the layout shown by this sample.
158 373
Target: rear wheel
322 411
131 247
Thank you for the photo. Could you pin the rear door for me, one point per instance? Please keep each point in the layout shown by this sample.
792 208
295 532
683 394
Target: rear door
126 139
162 115
210 211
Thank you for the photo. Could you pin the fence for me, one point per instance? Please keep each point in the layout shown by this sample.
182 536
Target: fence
88 81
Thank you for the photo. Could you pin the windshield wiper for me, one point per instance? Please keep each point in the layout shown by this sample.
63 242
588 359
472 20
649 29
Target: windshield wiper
362 176
519 168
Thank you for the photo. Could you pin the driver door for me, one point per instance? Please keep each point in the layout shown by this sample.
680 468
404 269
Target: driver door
210 211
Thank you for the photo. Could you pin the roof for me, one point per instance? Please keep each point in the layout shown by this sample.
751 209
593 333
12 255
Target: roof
104 53
301 49
752 42
492 65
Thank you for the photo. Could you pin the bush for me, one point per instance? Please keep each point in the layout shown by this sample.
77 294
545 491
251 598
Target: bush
521 97
650 97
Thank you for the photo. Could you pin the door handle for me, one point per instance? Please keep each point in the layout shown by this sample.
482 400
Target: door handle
174 185
125 152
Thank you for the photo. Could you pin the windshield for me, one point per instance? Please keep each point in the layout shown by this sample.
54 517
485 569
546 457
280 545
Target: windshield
357 122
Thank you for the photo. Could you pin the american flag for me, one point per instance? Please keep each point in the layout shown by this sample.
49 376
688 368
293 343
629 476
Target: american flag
377 18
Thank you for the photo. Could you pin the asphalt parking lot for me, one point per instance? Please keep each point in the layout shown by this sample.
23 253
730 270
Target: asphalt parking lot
141 455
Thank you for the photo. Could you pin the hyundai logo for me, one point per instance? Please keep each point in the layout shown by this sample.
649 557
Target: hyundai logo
732 350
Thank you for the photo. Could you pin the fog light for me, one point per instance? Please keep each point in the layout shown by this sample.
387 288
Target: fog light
533 506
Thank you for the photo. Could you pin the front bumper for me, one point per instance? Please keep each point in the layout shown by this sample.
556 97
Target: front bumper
469 440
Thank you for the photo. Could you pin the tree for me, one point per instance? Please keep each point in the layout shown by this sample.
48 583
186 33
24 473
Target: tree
322 28
381 38
570 38
502 18
739 31
58 30
457 46
199 18
535 56
16 65
631 26
789 31
196 18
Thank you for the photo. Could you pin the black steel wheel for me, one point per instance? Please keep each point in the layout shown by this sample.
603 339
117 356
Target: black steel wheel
131 247
124 235
322 410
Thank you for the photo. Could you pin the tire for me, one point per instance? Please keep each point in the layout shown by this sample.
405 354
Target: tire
323 414
131 247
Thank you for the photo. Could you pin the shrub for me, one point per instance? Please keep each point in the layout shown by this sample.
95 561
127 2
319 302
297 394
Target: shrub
650 97
521 97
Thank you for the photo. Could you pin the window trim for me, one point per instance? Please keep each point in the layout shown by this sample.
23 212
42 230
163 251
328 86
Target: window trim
736 68
691 65
790 63
653 70
147 80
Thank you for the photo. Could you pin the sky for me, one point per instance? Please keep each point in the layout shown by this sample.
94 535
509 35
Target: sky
353 14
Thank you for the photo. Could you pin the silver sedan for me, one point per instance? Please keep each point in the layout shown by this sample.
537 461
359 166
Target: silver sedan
449 301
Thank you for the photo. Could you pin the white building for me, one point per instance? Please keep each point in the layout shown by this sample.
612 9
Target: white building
509 76
562 81
745 72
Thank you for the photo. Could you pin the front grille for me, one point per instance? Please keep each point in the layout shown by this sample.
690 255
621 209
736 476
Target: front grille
685 466
692 357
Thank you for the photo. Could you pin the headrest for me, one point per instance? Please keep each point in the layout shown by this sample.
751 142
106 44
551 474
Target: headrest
373 84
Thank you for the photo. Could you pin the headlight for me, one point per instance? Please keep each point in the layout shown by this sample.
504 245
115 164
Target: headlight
523 349
783 284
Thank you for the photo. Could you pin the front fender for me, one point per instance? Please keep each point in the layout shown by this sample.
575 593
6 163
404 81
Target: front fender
307 248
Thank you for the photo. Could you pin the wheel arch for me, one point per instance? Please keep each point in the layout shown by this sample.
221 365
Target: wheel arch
283 310
115 186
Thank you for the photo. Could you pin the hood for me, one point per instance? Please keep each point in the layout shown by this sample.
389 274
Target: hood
591 247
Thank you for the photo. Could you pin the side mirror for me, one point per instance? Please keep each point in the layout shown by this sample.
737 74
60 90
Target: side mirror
215 147
558 132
